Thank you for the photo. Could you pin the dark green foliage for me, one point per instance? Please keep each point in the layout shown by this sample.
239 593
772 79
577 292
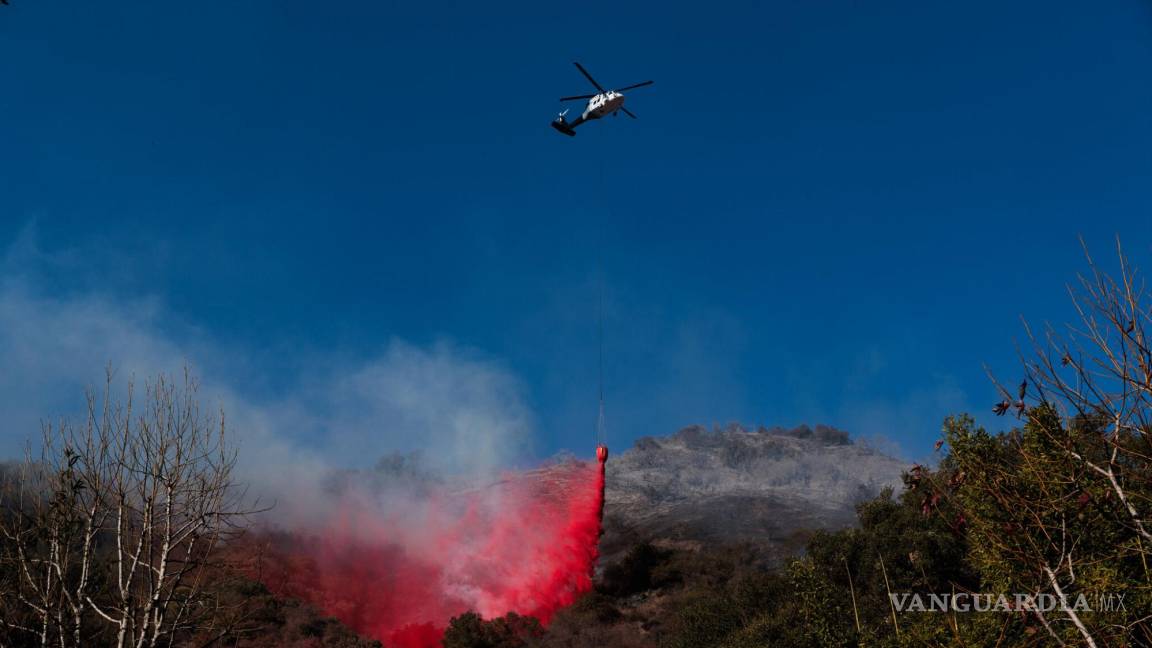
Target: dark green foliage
594 621
470 630
638 571
1033 504
598 607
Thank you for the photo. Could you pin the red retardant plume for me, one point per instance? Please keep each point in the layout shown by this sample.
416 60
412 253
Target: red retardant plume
526 544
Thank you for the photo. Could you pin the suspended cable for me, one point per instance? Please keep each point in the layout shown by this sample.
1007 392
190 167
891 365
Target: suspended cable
601 422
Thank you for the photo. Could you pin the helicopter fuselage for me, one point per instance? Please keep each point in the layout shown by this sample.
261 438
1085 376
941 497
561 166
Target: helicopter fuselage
603 104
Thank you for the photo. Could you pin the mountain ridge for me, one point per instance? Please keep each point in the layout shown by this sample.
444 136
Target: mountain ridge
766 487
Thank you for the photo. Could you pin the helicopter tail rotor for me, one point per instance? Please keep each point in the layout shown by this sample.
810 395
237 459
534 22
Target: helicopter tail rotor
563 126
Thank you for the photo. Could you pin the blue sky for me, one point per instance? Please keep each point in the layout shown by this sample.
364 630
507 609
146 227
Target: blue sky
827 212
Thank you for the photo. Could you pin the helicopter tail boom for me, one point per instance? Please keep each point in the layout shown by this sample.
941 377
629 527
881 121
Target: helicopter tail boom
565 126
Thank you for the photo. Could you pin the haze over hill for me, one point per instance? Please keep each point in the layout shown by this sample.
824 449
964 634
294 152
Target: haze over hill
762 486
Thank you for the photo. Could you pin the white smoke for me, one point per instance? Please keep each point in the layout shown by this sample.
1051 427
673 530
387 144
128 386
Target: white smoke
462 412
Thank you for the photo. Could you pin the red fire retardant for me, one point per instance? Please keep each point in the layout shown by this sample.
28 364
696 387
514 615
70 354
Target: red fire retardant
526 544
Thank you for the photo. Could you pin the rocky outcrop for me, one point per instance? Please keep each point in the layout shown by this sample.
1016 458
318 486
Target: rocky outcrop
766 487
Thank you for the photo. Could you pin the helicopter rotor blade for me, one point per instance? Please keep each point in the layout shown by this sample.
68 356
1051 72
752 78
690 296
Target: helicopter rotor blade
577 97
635 85
585 73
627 112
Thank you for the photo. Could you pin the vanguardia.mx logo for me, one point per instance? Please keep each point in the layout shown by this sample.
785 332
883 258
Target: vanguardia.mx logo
966 602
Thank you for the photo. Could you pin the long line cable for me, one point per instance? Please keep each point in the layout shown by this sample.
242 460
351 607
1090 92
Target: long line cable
601 424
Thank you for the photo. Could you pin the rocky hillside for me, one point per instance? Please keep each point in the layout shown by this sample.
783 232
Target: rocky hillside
767 486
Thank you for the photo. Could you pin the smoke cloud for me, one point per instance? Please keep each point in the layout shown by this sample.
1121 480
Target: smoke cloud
395 501
462 412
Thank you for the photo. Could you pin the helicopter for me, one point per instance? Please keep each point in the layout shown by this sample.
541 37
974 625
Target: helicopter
605 102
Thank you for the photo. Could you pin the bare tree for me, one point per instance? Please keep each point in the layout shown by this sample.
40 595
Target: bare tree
109 535
1077 491
1101 369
